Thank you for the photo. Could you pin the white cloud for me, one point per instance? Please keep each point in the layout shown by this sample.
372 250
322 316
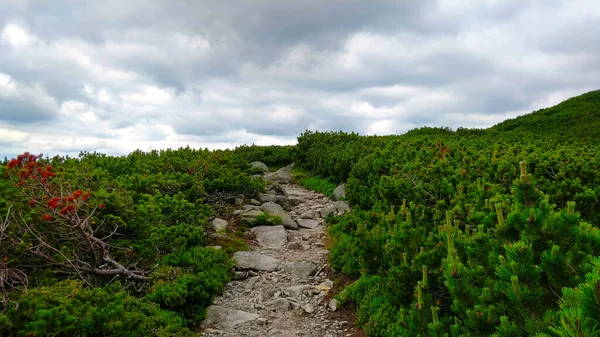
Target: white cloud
16 36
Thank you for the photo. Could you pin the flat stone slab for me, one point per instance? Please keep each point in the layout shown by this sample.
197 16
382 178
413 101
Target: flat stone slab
250 216
307 223
225 318
255 261
270 236
300 269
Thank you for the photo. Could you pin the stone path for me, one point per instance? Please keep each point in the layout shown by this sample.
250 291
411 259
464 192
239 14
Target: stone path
281 287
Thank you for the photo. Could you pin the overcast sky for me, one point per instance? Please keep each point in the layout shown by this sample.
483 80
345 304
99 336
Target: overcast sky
115 76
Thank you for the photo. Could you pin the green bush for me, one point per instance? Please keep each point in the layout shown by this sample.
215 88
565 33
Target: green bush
190 280
70 309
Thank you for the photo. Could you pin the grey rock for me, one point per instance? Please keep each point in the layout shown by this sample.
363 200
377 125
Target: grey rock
240 275
326 285
325 211
280 304
340 192
307 223
225 318
275 209
260 165
283 175
262 321
263 197
278 189
250 216
251 207
270 236
308 308
307 215
295 201
293 245
300 269
342 207
288 168
215 247
238 211
219 225
333 304
296 291
255 261
239 201
255 202
278 199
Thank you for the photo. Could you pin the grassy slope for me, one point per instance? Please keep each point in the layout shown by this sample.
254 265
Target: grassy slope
576 117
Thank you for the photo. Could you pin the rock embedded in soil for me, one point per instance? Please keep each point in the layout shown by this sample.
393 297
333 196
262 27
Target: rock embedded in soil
293 245
307 223
225 318
280 304
300 269
296 291
333 304
219 224
270 236
255 261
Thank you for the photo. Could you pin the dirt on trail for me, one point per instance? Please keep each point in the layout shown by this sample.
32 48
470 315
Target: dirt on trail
281 286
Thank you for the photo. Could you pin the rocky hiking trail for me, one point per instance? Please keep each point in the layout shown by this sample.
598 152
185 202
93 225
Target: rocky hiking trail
281 286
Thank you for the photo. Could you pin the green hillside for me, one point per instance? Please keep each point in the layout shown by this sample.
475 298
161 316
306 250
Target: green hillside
470 233
576 117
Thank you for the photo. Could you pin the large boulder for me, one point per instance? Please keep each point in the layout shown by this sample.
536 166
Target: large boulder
340 192
270 236
225 318
255 261
276 210
260 165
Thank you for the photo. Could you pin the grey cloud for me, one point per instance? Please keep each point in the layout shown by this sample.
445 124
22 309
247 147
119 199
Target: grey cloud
154 72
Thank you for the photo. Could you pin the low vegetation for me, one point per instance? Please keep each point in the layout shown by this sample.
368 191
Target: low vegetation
467 232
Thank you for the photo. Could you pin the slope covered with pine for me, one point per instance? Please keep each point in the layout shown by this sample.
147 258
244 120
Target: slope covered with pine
470 232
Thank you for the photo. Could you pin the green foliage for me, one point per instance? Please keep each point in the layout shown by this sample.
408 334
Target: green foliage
276 156
315 183
155 208
189 280
266 220
452 236
70 309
